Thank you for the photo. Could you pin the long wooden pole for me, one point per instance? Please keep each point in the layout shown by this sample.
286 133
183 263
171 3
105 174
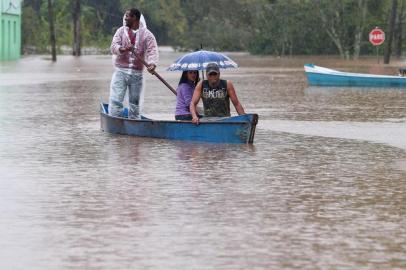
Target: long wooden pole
157 75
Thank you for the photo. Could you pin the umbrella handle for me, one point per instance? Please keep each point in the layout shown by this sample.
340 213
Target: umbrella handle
157 75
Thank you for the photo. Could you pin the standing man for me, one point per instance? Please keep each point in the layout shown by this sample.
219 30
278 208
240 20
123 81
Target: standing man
131 42
216 95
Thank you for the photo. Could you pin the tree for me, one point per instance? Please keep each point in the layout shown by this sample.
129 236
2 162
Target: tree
280 27
52 30
359 26
76 28
398 37
344 23
392 19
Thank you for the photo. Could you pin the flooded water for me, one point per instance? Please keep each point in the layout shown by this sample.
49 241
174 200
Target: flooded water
323 186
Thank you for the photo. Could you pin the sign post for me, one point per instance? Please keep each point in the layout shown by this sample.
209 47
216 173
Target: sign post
377 37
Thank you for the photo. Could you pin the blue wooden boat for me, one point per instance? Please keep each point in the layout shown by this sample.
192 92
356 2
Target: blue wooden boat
329 77
237 129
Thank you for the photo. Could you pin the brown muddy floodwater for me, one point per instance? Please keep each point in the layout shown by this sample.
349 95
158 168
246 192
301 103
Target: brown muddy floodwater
323 186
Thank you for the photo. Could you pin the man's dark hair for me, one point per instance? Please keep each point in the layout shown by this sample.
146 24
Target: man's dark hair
135 12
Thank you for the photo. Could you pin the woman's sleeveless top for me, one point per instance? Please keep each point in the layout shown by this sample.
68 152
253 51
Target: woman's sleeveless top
216 102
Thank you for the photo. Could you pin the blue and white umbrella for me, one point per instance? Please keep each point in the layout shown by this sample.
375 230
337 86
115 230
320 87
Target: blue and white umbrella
200 59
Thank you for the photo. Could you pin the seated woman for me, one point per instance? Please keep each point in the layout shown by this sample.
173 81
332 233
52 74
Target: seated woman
186 86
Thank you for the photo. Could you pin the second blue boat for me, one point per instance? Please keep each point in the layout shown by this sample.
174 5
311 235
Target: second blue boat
329 77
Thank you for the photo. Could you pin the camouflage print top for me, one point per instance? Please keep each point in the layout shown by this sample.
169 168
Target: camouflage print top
216 102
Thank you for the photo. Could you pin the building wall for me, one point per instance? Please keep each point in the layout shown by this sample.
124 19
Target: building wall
10 30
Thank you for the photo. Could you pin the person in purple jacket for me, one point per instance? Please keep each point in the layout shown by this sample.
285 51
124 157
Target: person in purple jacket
186 86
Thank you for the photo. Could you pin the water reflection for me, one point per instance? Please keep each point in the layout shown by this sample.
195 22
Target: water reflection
353 104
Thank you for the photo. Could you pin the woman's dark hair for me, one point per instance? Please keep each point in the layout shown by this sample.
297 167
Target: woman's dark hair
184 78
134 12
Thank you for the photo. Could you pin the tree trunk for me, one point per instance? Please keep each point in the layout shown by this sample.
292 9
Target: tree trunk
332 33
392 18
336 40
363 9
357 43
76 28
52 29
398 33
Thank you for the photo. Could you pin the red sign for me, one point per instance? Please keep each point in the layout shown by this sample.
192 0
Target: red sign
377 36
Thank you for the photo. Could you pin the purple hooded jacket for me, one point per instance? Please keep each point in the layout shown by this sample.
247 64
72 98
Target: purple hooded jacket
146 48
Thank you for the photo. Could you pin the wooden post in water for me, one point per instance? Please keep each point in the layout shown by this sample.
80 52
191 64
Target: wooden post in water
377 53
